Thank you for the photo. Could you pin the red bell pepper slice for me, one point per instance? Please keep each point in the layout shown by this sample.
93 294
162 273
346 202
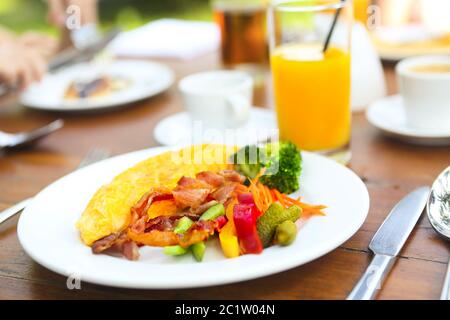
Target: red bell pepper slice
246 198
245 223
221 221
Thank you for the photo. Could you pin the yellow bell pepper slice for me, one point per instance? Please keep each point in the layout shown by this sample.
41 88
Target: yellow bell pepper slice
229 241
162 208
227 236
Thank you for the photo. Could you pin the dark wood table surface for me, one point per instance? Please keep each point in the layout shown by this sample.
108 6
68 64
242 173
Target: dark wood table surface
390 170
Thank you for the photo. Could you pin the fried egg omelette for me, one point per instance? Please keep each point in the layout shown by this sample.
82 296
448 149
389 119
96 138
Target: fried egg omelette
109 209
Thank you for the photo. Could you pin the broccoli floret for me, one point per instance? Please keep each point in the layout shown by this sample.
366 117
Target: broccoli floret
282 161
248 161
283 168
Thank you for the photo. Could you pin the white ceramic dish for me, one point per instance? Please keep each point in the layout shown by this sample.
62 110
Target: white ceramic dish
178 129
426 97
47 231
398 43
146 80
388 115
219 99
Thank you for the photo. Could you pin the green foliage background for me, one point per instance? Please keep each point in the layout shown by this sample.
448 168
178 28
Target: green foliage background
22 15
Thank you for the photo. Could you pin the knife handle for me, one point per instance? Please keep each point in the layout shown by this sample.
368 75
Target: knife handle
369 284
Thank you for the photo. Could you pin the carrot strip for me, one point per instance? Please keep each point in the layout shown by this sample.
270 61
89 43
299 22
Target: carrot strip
264 197
280 198
307 208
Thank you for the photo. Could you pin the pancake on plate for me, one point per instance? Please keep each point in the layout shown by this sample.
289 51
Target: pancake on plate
95 88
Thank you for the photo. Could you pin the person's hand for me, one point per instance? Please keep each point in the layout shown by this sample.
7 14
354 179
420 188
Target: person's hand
41 43
57 11
20 66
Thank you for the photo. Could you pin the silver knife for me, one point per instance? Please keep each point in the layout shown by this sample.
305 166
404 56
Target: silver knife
71 56
86 53
8 213
388 241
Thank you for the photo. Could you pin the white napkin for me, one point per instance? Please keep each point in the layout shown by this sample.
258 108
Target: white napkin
168 38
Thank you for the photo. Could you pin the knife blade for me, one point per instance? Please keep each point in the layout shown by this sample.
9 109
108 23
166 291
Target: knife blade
74 55
388 241
71 56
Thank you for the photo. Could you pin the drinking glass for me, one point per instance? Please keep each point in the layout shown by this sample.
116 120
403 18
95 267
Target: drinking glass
243 29
360 10
312 80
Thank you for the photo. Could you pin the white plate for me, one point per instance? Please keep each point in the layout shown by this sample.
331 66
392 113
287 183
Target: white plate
178 129
397 43
388 115
147 79
47 232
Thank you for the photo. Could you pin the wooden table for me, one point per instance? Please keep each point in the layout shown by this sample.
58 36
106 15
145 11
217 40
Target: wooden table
390 170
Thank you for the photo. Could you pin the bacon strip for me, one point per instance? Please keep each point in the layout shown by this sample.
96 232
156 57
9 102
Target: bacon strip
204 207
138 211
192 198
224 193
130 250
155 238
117 243
200 231
104 243
233 176
211 178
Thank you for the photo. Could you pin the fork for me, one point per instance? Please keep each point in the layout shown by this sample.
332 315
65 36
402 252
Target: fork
93 155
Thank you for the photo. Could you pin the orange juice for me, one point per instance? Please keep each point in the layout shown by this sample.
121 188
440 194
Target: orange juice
312 96
360 10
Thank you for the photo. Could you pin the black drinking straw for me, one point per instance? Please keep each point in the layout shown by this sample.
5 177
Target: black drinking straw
333 25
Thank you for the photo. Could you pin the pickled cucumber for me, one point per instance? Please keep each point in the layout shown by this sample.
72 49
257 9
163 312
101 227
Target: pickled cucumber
285 233
275 215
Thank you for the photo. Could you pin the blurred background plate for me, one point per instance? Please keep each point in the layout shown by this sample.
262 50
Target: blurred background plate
396 51
146 80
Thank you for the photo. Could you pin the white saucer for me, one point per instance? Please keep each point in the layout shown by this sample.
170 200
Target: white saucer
388 115
178 129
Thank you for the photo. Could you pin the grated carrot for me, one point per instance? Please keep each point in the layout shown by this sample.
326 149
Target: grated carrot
264 197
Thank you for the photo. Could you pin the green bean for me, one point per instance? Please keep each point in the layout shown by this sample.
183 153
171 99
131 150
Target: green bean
183 225
198 250
213 213
175 250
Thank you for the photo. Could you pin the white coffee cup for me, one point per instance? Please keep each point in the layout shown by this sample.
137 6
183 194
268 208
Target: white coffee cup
219 99
426 95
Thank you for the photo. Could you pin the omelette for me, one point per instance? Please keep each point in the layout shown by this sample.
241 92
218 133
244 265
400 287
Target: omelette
108 211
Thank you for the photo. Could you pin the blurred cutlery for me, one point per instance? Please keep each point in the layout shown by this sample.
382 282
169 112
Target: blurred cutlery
87 53
93 155
85 36
11 211
15 140
388 241
438 212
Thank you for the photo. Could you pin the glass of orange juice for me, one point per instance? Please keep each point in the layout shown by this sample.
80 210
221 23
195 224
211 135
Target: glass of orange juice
360 10
311 79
